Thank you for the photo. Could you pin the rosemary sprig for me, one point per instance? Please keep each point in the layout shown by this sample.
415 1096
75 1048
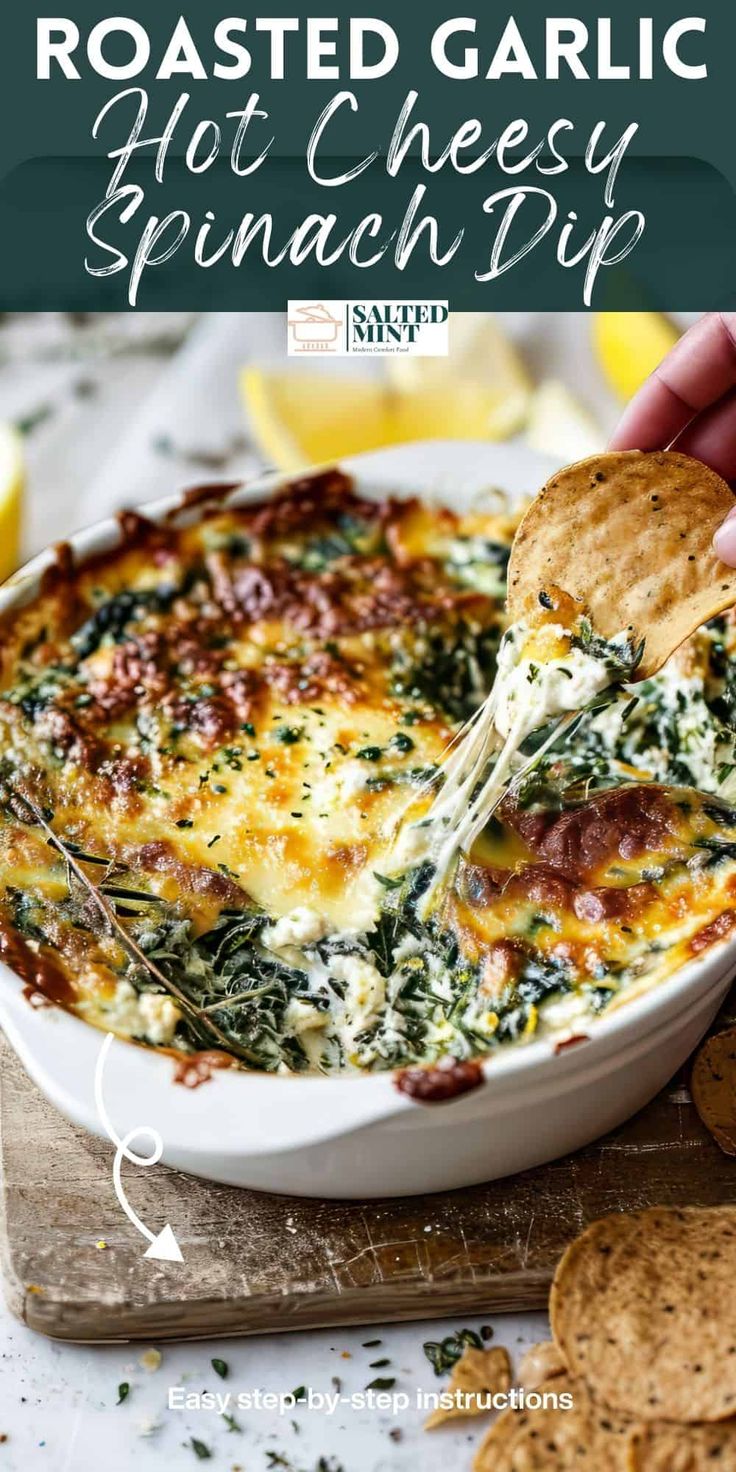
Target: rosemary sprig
237 1000
127 941
85 858
121 892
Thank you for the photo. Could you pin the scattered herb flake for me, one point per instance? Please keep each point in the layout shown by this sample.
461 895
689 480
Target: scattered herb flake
387 882
401 742
200 1448
445 1353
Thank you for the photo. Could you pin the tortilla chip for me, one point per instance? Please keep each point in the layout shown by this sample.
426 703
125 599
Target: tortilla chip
628 535
585 1438
644 1307
714 1088
666 1448
541 1362
478 1373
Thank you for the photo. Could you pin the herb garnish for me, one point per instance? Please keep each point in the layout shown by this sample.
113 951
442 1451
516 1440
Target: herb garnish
444 1353
200 1448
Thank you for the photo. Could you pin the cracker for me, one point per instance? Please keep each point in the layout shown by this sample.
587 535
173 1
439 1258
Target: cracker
478 1374
667 1448
585 1438
643 1307
541 1362
714 1088
628 536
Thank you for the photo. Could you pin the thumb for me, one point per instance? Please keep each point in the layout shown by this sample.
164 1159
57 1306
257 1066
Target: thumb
724 540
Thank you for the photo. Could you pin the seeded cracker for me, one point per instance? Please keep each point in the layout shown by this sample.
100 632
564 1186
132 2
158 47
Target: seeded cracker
586 1438
541 1362
644 1307
683 1449
714 1088
479 1373
629 536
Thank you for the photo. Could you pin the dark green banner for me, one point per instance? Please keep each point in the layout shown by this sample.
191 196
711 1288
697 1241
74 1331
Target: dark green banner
178 155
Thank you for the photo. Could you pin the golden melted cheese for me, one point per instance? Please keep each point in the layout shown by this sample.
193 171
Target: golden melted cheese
239 729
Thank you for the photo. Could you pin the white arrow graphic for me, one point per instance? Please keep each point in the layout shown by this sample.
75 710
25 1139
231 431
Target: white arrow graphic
164 1246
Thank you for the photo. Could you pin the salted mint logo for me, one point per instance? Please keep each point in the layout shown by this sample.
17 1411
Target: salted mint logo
362 328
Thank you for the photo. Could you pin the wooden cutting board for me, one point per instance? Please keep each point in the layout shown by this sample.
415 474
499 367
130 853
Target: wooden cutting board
255 1263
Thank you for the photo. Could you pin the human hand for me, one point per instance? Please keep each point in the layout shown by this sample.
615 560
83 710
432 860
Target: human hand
689 403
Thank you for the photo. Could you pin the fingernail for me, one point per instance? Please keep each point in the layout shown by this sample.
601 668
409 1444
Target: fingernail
724 541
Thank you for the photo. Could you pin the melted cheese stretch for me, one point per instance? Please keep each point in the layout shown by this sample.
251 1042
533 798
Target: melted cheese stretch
542 673
229 721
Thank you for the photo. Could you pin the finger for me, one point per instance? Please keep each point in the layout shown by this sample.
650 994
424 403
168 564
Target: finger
724 540
711 437
699 370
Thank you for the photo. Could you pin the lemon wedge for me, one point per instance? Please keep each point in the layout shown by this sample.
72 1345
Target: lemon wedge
560 426
481 391
630 345
304 419
12 484
483 381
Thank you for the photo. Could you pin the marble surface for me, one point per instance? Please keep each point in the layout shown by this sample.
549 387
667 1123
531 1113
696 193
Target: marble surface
118 411
58 1402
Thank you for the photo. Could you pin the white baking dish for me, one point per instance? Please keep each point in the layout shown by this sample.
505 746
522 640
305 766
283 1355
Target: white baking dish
358 1136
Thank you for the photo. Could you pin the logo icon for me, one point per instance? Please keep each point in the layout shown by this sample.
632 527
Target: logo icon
313 329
